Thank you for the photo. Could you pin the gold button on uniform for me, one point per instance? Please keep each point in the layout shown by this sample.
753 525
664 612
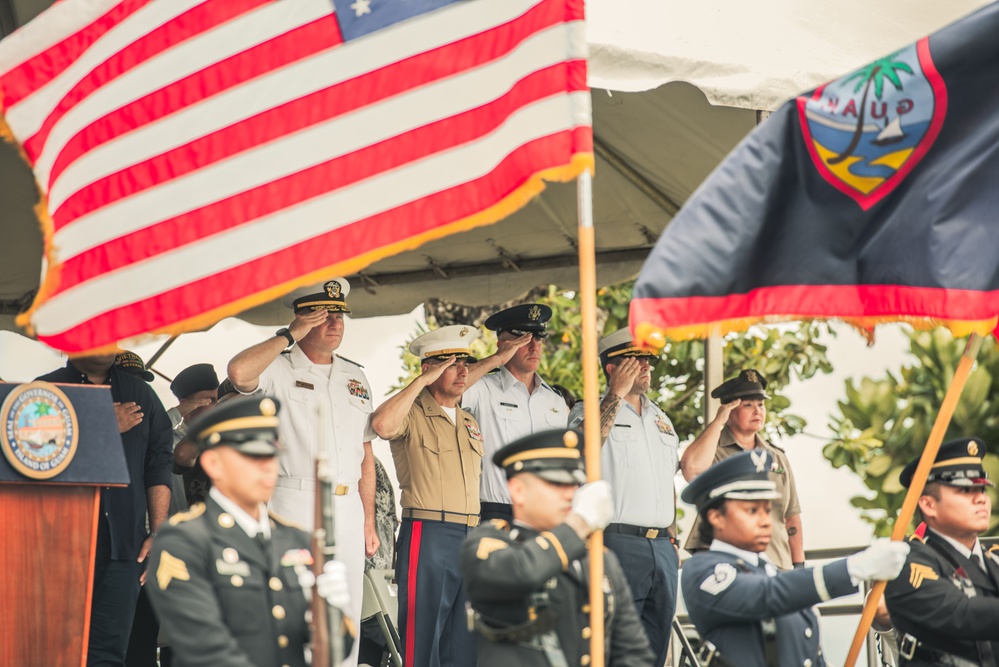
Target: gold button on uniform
283 641
275 584
226 521
236 580
808 633
278 612
586 633
585 660
586 609
807 663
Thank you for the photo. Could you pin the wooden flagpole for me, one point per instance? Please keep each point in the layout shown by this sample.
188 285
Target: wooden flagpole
918 482
591 410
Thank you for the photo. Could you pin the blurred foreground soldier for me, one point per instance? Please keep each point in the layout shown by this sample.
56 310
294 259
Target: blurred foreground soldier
945 605
437 449
230 582
640 458
736 428
513 402
529 582
750 614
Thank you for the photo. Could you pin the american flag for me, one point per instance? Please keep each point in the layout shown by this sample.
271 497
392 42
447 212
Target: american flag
199 157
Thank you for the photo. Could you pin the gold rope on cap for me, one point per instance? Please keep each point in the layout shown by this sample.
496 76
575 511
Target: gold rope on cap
957 462
633 349
239 423
547 453
449 351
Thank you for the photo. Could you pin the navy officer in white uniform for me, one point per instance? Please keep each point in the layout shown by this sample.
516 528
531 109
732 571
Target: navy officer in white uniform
748 613
514 402
299 366
640 459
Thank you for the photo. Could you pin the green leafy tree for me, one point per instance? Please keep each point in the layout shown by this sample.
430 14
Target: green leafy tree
884 423
779 353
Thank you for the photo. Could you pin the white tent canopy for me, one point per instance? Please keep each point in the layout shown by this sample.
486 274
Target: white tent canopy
675 87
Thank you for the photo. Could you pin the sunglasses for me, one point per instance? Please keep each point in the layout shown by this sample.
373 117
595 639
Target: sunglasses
537 335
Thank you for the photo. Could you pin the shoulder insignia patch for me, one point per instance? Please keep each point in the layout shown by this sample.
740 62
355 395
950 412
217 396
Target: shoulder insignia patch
919 573
171 568
349 361
499 524
197 510
285 522
488 545
723 577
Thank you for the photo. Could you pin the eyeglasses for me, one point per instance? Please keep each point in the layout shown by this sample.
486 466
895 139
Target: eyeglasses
537 335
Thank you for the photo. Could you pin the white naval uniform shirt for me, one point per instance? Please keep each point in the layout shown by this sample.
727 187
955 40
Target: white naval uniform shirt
300 385
639 458
506 411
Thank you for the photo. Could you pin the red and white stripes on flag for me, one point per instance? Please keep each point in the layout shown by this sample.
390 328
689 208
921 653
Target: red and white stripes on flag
199 157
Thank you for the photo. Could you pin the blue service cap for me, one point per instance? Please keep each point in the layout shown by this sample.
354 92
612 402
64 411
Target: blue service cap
745 476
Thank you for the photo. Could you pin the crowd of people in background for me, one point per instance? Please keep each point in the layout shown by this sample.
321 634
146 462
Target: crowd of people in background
488 551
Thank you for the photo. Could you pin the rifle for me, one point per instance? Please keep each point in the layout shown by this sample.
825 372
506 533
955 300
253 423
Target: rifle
327 620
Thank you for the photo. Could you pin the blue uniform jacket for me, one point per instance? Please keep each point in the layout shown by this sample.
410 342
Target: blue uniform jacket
727 598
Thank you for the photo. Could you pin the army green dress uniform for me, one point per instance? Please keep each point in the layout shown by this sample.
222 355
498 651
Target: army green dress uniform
226 586
945 604
530 590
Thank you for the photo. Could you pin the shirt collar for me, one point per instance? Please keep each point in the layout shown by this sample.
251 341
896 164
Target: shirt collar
508 380
961 549
249 525
727 438
83 376
748 556
299 360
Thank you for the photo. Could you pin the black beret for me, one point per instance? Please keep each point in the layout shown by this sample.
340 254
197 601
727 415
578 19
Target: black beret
191 380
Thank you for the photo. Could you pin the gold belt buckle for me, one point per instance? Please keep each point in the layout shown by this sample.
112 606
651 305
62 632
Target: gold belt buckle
652 533
341 490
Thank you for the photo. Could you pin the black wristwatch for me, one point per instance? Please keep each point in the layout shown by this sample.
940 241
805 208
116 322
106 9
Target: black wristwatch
287 334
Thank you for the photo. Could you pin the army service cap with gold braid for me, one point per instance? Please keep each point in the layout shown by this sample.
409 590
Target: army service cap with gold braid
248 425
747 384
621 344
441 344
553 456
958 463
333 297
519 320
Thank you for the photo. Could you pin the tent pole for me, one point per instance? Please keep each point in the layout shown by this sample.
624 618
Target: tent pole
591 411
918 482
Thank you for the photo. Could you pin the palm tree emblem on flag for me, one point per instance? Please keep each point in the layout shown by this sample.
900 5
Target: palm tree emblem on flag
865 131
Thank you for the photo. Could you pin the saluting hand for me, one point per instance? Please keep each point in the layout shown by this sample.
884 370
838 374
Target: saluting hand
189 405
306 322
431 374
129 415
505 349
623 376
725 409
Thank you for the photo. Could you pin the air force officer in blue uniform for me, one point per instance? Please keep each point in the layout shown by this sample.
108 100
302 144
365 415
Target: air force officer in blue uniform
748 613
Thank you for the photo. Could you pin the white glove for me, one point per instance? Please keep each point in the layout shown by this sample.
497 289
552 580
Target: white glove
593 504
881 561
332 584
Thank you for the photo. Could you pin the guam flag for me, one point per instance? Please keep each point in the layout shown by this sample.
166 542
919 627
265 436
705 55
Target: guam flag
873 198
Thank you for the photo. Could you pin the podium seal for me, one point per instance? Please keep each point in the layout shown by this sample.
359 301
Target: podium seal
40 430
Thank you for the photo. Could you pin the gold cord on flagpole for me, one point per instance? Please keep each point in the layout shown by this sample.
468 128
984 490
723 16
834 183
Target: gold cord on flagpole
591 412
918 482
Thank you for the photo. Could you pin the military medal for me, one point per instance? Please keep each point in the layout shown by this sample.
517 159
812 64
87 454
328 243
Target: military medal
473 430
357 388
664 427
294 557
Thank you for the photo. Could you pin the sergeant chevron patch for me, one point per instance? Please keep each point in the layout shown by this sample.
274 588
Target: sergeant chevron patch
721 579
171 568
919 573
487 545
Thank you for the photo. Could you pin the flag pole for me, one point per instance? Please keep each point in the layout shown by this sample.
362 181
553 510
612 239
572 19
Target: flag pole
591 411
918 482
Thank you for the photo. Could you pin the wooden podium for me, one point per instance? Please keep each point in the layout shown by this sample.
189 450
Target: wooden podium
60 447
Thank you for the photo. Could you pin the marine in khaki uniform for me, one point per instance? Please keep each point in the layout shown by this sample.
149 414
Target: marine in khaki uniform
528 582
228 582
437 448
945 605
735 429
